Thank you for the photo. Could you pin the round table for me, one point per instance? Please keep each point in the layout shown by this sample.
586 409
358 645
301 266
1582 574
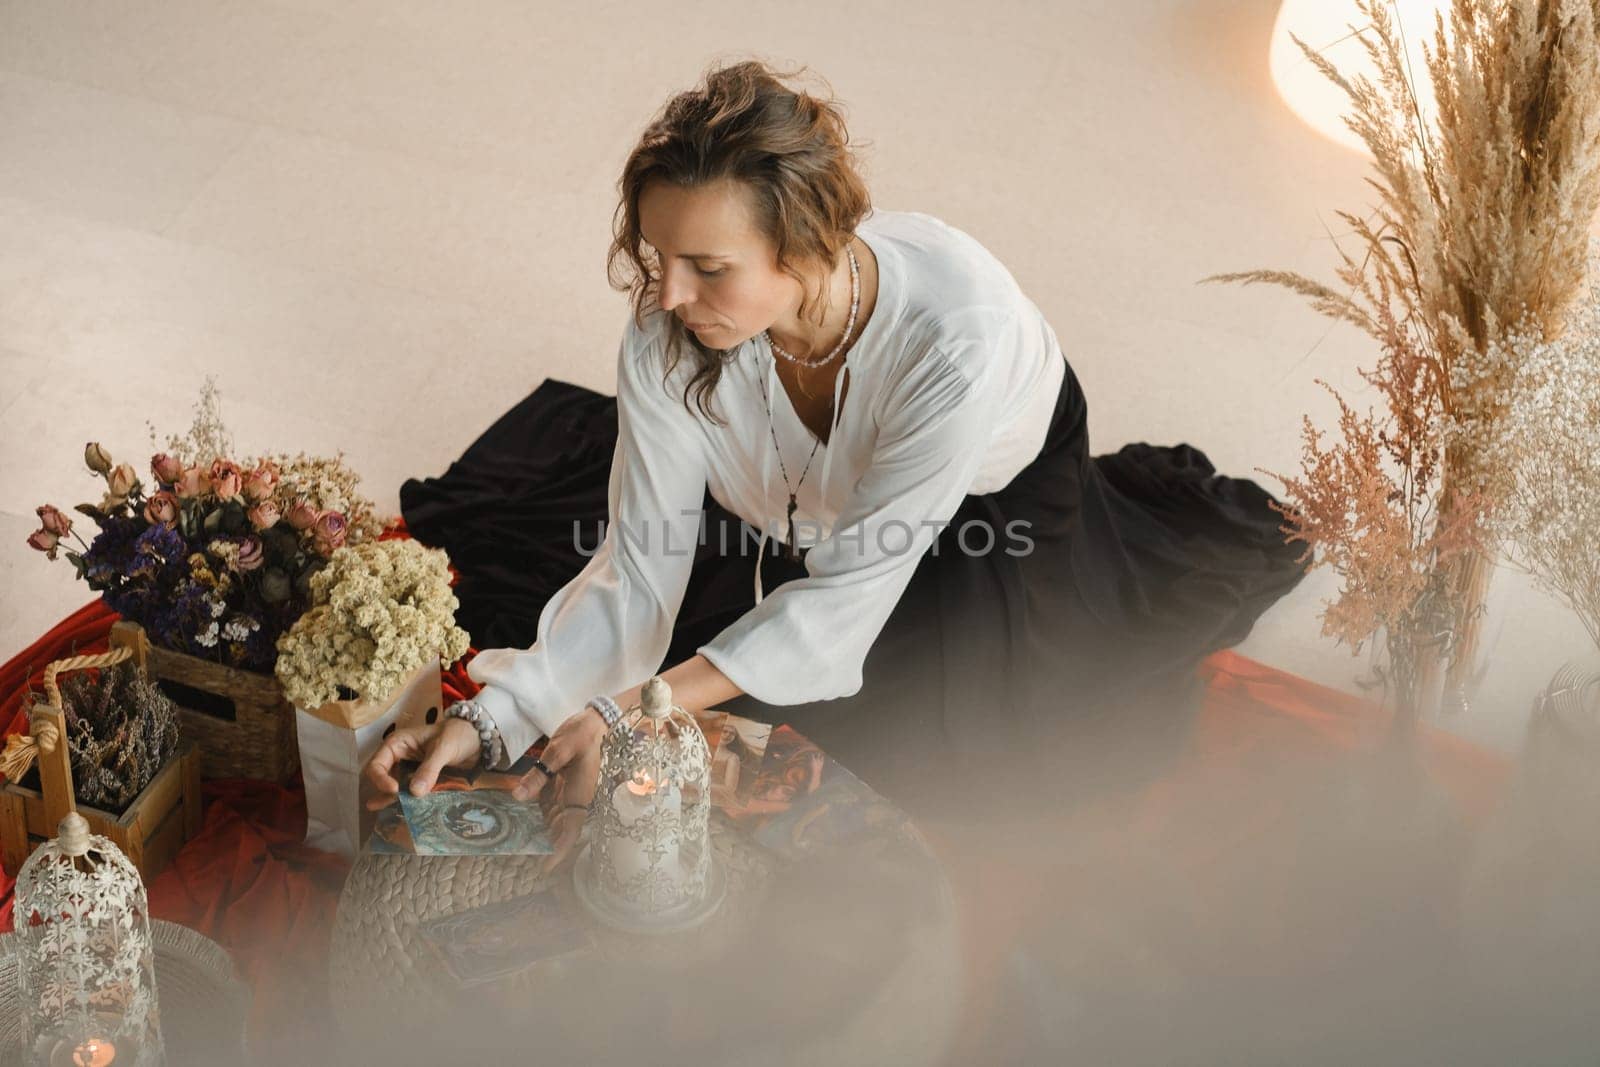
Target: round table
204 1005
848 955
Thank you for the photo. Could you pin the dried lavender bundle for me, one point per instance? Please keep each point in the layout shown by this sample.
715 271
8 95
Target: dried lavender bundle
121 730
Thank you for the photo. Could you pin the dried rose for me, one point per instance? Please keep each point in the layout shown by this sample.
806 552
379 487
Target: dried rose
192 484
225 479
44 541
122 480
167 469
162 508
302 515
260 483
328 532
251 554
98 459
54 520
264 515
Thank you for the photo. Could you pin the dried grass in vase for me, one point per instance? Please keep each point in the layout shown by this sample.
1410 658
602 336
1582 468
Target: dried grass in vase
1366 505
1482 216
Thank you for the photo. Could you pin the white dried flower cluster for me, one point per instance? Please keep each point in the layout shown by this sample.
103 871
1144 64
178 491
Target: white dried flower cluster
208 636
327 484
208 437
240 628
235 629
379 610
1544 455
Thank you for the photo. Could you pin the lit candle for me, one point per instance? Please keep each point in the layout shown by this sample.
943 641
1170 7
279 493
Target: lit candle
92 1052
95 1052
634 799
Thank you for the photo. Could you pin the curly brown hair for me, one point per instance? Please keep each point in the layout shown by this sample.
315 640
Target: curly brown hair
789 148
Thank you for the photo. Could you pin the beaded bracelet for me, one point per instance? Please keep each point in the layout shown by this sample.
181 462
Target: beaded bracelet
488 734
608 709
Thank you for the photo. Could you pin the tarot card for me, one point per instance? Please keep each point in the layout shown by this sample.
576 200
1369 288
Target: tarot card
839 808
390 834
460 816
487 778
791 766
741 747
711 723
497 940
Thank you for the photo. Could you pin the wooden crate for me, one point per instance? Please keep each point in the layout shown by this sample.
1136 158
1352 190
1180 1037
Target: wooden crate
160 819
240 720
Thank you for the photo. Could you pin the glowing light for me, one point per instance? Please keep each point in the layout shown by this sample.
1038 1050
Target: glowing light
1326 27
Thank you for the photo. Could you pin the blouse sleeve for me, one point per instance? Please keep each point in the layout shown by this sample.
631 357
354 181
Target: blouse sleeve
808 638
609 628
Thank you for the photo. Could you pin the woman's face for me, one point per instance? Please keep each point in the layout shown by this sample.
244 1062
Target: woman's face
716 270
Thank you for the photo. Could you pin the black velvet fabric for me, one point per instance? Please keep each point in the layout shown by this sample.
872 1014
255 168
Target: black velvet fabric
1060 669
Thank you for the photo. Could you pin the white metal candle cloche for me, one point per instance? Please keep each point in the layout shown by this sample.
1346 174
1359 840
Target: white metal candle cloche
88 964
648 865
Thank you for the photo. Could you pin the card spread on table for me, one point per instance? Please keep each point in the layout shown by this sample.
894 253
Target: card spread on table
496 940
466 813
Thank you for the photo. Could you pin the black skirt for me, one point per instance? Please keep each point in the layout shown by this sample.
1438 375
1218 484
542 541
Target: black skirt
1056 664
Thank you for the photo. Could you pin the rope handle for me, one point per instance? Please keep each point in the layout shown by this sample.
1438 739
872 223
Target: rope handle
43 736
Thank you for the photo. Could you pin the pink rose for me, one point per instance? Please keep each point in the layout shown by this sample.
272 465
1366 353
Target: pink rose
162 508
251 554
192 484
328 532
264 515
167 469
54 520
225 479
98 459
260 483
121 480
302 515
44 541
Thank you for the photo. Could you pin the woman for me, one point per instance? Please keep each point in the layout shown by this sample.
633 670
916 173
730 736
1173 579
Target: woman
963 591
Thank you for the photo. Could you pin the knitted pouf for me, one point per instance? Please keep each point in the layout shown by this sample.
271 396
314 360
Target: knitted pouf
847 957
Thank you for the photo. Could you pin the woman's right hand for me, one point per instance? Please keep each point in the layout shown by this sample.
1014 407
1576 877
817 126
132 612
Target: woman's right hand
451 742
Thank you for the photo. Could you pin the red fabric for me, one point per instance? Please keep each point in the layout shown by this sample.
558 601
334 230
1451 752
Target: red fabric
1217 825
250 883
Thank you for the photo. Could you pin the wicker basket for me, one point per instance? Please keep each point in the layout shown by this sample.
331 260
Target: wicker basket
164 815
241 721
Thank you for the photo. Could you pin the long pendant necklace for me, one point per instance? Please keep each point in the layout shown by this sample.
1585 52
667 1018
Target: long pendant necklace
791 551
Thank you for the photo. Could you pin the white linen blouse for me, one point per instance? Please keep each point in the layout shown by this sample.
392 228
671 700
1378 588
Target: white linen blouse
953 381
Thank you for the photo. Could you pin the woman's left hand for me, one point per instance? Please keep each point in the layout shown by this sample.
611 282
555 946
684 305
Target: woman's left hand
573 756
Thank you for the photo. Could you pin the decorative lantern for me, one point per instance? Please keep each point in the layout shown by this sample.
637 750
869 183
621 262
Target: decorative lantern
88 966
648 864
